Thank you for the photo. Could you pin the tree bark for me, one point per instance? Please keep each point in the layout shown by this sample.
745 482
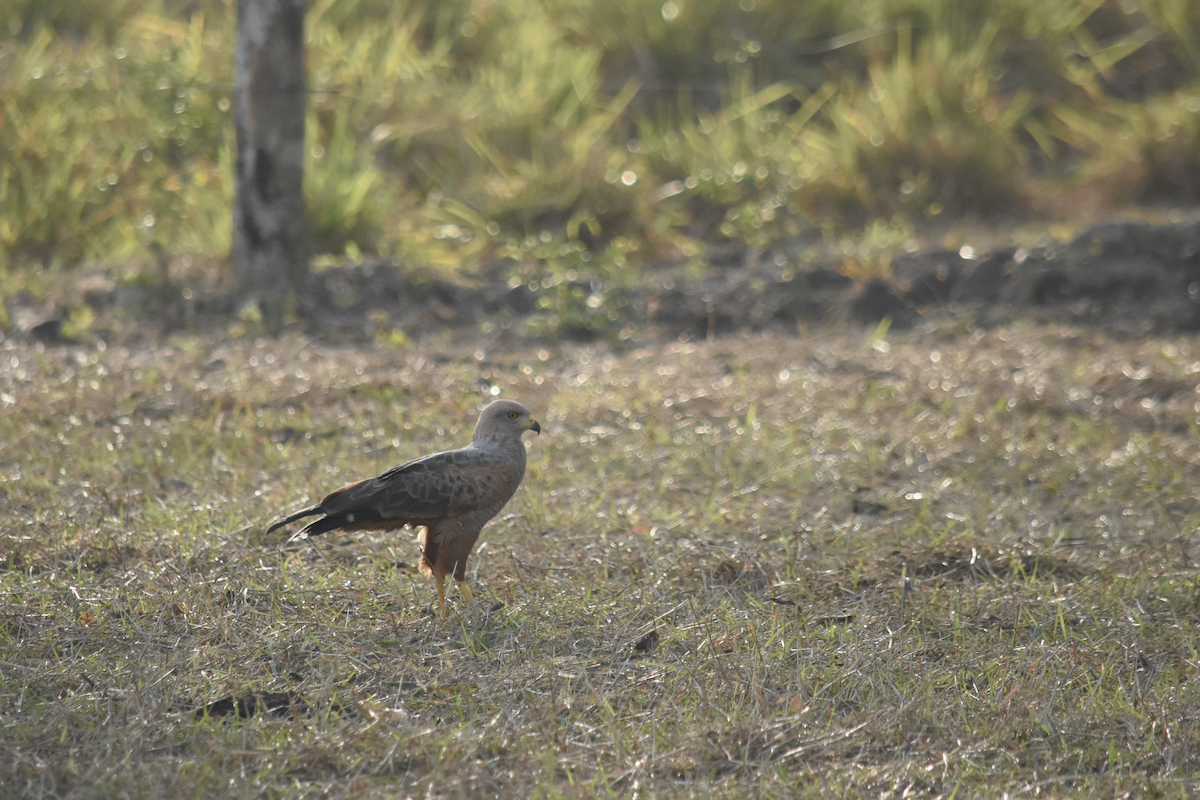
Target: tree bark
270 257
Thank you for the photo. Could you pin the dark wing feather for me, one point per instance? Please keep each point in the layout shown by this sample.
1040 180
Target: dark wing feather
308 512
429 488
421 492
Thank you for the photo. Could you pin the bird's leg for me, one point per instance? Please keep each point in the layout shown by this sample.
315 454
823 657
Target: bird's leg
465 592
441 590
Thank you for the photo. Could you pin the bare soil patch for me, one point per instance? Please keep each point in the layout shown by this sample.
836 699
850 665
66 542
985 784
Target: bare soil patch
1128 278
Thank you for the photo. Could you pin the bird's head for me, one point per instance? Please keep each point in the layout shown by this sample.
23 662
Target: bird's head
505 419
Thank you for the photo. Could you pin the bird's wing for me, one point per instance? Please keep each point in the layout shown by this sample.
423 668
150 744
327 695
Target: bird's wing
430 488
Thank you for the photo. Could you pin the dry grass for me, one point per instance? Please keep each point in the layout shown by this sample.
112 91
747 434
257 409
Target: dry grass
948 563
588 139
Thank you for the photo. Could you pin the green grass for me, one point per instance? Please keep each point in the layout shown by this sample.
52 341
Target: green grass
1018 614
548 137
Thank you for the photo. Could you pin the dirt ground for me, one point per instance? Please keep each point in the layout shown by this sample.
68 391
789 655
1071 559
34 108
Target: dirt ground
800 558
1129 278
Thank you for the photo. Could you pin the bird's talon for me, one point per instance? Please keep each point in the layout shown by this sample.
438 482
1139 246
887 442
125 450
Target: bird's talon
465 592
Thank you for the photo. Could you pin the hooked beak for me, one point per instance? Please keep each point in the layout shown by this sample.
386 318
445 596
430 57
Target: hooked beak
535 427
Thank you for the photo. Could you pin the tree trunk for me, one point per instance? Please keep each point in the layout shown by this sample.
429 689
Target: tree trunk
270 258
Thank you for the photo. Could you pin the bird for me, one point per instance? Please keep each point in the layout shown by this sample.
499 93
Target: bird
449 495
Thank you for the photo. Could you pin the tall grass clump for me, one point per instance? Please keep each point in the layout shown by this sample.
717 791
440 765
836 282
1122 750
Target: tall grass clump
576 142
115 140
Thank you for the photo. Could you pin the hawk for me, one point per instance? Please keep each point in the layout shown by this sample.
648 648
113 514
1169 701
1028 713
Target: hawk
450 495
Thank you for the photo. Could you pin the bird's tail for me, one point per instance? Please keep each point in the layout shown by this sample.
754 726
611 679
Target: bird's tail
308 512
317 527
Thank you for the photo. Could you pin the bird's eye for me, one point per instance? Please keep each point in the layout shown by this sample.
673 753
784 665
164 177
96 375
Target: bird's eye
512 415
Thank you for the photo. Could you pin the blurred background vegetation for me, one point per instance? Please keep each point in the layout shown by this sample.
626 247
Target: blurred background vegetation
557 139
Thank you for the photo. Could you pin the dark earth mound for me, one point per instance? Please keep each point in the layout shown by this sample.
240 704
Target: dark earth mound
1127 276
1131 278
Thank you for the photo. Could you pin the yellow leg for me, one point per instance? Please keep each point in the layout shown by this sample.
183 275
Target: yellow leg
465 592
441 589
